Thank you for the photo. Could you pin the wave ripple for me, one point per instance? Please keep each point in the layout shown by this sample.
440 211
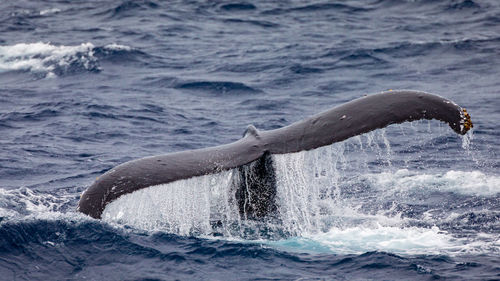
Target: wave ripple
46 60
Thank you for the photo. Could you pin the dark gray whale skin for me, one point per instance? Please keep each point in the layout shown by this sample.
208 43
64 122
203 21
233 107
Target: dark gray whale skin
337 124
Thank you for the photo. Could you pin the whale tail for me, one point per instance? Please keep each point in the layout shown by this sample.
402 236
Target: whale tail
364 115
252 154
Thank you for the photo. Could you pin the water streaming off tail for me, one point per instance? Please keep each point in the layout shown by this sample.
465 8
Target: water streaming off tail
319 189
308 187
185 207
363 185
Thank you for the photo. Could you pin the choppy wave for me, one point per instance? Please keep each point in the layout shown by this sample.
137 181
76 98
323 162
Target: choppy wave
49 60
46 59
50 11
128 8
21 202
184 209
217 87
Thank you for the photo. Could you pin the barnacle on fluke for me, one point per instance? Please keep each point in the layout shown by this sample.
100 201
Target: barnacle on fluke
467 122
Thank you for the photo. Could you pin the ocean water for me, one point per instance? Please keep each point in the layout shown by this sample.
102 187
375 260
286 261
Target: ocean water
88 85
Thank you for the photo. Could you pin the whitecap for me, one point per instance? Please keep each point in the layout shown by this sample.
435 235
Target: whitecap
117 47
46 59
49 11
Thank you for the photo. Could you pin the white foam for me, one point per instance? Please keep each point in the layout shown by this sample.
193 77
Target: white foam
47 59
460 182
23 202
49 11
117 47
44 58
361 239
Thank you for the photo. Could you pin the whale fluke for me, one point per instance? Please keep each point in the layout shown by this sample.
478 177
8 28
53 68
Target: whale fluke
350 119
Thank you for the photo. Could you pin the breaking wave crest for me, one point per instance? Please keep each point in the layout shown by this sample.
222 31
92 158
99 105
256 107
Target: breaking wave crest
47 60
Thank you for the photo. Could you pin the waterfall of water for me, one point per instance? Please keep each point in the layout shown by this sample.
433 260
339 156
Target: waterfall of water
358 182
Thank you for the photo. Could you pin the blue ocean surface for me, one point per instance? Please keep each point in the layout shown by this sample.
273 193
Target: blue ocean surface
88 85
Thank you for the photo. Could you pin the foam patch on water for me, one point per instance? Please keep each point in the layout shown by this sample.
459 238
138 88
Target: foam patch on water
49 11
117 47
48 60
24 202
460 182
360 239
